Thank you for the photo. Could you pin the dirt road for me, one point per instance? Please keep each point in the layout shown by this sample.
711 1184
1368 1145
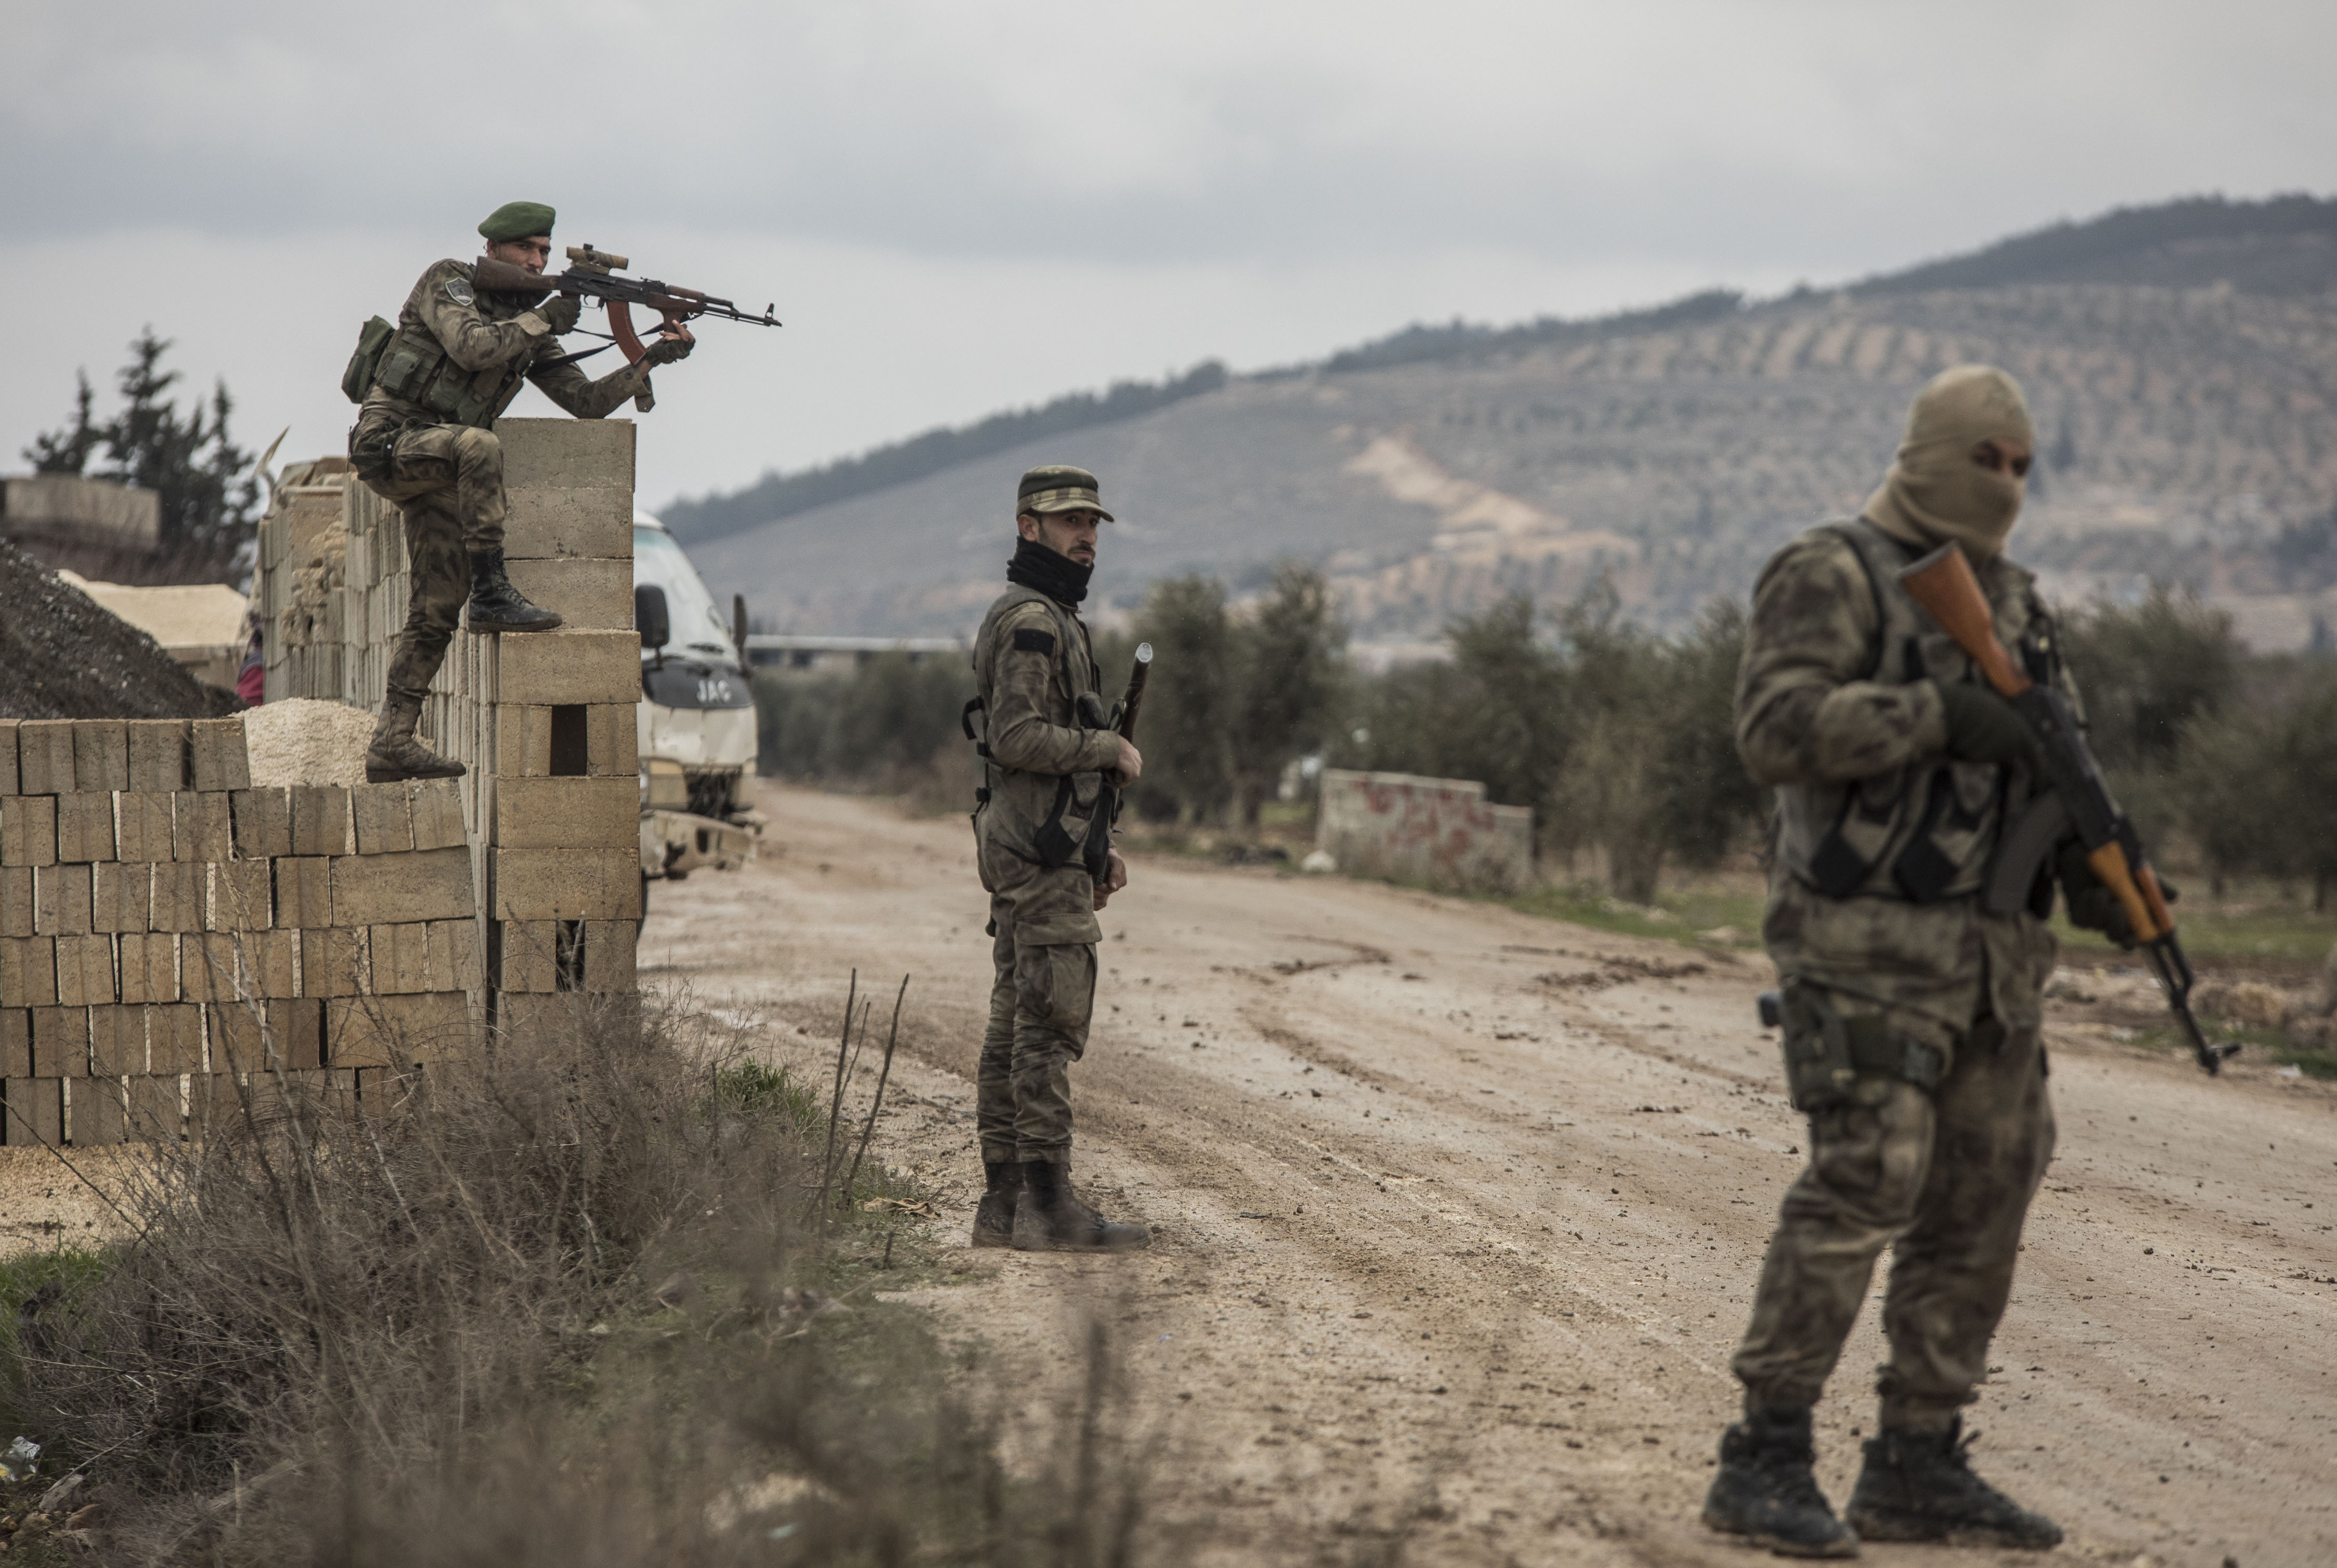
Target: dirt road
1458 1210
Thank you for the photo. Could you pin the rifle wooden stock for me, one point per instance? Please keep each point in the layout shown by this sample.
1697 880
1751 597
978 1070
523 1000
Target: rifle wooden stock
503 277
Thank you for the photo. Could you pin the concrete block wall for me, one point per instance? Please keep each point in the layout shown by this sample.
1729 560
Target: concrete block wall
1440 831
545 722
173 939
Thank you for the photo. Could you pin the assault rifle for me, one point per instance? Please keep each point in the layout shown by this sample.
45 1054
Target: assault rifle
594 275
2079 801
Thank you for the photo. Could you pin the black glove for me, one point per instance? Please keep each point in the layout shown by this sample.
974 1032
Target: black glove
2092 906
1983 728
666 350
561 312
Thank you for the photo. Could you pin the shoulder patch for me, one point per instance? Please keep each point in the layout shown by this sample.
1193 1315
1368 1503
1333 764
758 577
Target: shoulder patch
1032 640
460 292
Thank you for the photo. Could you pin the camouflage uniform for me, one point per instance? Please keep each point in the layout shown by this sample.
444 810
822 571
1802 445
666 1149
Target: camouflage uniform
424 438
1913 1012
1041 830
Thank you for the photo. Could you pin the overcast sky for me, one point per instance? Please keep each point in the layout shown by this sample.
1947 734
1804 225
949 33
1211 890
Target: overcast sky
959 206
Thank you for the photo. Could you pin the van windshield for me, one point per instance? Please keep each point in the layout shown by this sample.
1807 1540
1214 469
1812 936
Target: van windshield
697 624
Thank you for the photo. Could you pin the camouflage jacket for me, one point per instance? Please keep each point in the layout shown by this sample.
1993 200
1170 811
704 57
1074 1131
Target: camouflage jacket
1836 706
1044 815
459 357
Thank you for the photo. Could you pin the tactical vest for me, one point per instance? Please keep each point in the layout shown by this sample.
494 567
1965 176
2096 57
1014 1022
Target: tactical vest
416 368
1925 831
1051 820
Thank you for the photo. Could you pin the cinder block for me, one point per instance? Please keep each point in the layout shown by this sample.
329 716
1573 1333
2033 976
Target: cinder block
301 1037
304 891
522 740
8 755
568 814
397 1031
569 666
182 896
28 971
208 970
200 829
45 757
394 888
385 818
527 955
61 901
16 900
240 896
333 962
217 757
117 1041
566 884
437 808
174 1038
262 819
154 1116
401 959
321 819
612 739
548 521
95 1112
37 1113
85 971
590 593
28 831
270 965
61 1042
121 896
598 453
84 826
531 1021
215 1104
149 967
382 1091
609 960
142 821
100 755
454 955
158 753
259 1036
15 1042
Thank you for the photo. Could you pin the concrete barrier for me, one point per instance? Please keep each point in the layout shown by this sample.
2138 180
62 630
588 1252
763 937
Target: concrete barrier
1441 831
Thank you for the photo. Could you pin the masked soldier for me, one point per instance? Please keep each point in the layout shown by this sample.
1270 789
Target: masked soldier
1042 829
1910 1006
424 438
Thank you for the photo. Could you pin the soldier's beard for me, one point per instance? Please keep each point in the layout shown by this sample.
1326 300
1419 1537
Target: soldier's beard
1057 575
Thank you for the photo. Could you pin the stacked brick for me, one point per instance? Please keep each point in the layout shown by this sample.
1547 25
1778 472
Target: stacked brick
174 940
546 723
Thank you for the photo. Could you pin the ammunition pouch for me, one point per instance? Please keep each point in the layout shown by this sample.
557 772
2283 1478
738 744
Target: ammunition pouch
1825 1053
372 338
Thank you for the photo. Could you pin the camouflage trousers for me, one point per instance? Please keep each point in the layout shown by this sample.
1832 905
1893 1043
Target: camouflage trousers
1041 997
1943 1178
447 480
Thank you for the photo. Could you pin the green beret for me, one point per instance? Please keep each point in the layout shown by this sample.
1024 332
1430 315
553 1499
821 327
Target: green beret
517 221
1059 487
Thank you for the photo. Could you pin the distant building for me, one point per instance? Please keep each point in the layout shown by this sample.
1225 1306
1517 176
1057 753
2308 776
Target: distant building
91 526
812 655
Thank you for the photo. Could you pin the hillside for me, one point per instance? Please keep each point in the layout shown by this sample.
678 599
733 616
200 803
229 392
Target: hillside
2182 361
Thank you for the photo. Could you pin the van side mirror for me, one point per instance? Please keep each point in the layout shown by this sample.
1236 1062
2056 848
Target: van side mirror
649 617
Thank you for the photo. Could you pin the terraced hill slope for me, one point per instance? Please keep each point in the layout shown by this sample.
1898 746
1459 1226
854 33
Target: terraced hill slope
2186 431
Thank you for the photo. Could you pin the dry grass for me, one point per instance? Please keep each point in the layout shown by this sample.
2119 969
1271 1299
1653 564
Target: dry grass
557 1306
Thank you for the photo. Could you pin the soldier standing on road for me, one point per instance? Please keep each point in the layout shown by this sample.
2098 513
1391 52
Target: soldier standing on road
1043 828
1911 1012
425 440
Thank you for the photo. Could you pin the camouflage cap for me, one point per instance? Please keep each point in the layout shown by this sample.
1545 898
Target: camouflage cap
1059 487
517 221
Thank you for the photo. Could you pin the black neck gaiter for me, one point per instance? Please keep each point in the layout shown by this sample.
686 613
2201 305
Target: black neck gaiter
1059 577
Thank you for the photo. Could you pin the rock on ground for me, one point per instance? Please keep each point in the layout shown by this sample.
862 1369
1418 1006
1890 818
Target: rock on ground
67 657
307 741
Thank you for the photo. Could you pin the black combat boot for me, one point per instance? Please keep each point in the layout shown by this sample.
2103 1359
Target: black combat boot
1050 1217
496 605
1920 1487
394 753
1765 1490
993 1219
